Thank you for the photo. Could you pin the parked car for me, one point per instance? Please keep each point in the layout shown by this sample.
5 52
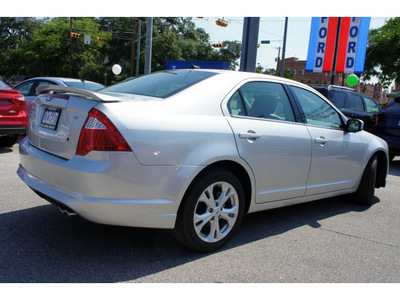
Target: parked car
13 118
388 127
195 150
352 104
16 79
28 88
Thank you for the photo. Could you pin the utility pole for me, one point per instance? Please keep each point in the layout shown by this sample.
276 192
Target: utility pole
277 61
336 49
133 47
248 58
284 48
138 48
70 47
149 40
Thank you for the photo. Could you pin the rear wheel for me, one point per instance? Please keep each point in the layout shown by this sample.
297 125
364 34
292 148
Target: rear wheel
9 140
211 212
366 190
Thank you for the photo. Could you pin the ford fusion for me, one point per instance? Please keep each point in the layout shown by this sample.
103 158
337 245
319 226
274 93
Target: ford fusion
195 150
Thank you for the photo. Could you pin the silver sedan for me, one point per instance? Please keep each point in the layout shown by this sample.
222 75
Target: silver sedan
195 150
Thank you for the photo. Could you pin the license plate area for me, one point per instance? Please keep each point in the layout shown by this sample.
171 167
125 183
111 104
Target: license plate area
50 118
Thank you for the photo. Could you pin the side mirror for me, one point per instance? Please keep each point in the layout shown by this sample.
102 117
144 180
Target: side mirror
354 125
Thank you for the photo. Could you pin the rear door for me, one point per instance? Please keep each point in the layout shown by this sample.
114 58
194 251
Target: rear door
336 154
277 148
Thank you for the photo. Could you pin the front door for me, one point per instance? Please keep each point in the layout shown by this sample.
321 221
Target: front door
277 148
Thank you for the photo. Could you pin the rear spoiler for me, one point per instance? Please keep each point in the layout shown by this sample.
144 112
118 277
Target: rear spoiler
76 92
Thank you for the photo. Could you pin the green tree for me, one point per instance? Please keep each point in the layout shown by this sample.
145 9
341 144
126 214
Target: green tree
13 30
383 53
173 39
286 73
11 33
47 52
179 39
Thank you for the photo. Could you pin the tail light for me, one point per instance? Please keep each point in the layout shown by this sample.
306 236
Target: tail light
18 100
100 134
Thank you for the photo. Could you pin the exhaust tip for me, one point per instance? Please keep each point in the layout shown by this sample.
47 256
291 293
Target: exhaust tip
67 211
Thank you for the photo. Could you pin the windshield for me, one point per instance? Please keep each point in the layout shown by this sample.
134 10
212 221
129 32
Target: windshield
3 85
89 86
160 84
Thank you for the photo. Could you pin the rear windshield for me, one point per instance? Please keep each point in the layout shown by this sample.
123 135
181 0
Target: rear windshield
3 85
89 86
160 84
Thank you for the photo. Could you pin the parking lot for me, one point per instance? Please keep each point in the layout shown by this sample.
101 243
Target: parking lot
326 241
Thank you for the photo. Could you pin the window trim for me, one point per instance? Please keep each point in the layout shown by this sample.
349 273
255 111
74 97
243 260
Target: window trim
342 117
297 117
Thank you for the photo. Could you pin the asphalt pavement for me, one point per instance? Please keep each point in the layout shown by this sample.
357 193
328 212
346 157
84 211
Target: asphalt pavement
326 241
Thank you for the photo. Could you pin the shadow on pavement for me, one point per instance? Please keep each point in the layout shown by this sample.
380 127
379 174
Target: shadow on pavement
41 245
5 149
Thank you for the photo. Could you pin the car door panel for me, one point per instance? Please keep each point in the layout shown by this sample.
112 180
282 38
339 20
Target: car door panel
336 160
279 154
336 154
277 148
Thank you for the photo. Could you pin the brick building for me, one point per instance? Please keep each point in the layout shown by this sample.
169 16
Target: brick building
297 68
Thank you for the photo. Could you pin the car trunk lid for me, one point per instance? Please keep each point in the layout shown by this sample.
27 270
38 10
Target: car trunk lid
57 116
11 101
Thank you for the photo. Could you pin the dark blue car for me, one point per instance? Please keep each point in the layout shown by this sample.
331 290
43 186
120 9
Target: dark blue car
388 127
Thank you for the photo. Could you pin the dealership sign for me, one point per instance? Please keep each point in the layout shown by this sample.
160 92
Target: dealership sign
337 43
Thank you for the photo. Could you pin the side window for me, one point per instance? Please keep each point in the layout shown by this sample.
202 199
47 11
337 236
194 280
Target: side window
316 110
356 102
338 98
25 88
267 100
41 83
371 105
235 105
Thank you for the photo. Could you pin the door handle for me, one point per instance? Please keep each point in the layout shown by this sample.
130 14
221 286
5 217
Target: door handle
321 140
250 135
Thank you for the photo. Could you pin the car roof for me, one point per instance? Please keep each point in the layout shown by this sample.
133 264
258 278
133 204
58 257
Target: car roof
62 79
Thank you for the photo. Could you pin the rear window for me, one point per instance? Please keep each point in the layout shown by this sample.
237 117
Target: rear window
160 84
89 86
3 85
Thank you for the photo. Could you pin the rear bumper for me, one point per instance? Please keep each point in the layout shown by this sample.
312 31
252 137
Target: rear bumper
108 188
12 129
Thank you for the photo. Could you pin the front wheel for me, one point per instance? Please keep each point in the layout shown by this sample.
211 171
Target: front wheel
211 212
366 190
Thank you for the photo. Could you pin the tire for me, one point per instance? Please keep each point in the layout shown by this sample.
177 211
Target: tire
366 190
8 141
207 219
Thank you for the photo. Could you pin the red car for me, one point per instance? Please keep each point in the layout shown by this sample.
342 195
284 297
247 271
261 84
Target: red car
13 116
